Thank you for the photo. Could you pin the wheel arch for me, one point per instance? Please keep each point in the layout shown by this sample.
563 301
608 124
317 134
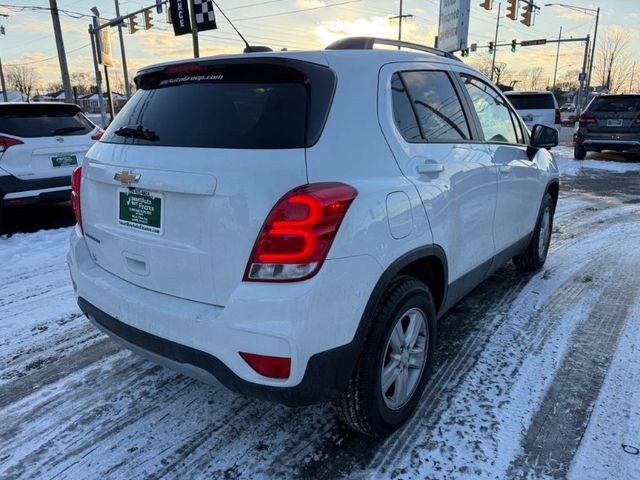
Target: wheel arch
553 189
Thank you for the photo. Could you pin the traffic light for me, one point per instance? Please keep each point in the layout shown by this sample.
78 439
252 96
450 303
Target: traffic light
491 48
527 15
133 24
512 9
486 4
514 44
146 19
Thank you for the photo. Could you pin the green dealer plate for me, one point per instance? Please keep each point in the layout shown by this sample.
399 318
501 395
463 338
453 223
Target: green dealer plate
59 161
140 210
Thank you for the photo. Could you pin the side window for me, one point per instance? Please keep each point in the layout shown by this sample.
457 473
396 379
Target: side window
437 106
493 112
403 114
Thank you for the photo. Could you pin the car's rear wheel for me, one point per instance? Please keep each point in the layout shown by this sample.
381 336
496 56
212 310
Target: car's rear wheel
394 365
535 255
579 152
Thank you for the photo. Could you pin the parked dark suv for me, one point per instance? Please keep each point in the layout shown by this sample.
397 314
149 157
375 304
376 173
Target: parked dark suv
610 122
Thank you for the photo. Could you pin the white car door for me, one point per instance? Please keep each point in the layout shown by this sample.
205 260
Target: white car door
441 156
519 178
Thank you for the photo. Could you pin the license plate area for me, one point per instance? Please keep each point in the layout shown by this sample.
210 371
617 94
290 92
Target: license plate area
62 161
614 122
140 210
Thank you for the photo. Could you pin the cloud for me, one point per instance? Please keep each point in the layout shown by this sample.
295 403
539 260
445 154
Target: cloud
330 31
309 3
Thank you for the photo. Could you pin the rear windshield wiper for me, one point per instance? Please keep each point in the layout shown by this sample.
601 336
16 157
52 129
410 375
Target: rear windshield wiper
63 130
137 131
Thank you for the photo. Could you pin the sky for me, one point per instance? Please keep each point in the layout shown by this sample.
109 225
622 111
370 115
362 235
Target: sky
305 24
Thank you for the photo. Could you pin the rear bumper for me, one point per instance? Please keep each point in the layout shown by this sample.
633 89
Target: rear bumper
42 190
621 144
204 341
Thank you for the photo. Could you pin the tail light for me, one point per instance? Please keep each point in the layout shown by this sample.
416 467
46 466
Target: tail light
273 367
558 117
297 235
76 178
98 135
587 118
6 142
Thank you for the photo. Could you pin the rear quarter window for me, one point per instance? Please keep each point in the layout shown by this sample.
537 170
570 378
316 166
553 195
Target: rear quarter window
532 102
43 120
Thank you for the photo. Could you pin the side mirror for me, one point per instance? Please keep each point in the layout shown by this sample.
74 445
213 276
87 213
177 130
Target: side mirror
544 137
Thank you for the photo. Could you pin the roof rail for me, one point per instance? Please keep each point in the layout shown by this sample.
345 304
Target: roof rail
367 43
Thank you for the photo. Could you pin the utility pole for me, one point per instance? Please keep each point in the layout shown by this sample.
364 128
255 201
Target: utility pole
582 77
62 57
593 50
194 31
4 86
400 17
125 72
633 74
93 33
555 71
495 43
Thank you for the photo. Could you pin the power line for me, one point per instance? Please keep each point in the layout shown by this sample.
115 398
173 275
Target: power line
45 59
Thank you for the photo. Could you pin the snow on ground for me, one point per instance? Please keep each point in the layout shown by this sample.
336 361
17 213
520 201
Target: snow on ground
570 166
611 444
536 377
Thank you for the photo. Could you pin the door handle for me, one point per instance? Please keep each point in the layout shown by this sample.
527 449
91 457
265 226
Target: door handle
429 167
505 169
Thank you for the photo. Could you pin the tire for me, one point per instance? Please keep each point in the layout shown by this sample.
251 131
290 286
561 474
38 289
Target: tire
364 406
579 152
533 258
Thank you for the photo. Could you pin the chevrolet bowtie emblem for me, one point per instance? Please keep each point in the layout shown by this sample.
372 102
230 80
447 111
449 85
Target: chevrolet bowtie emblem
126 178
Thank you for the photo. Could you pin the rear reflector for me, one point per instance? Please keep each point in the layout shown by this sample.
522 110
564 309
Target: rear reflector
272 367
76 178
6 142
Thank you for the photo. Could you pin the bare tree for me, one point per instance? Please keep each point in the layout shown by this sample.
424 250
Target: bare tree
22 79
612 65
81 82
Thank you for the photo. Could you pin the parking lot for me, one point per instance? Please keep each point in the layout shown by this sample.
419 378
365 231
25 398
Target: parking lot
536 376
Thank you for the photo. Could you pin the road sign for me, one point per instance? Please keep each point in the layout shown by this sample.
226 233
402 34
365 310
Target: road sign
529 43
453 27
582 77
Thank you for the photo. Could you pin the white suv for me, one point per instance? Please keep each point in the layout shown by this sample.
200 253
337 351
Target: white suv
536 108
40 145
293 223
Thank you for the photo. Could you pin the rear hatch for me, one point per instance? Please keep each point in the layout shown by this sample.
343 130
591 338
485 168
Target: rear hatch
175 193
535 108
43 140
614 116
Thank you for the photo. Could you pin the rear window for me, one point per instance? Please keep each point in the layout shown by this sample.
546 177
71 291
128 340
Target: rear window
627 103
532 102
269 104
43 120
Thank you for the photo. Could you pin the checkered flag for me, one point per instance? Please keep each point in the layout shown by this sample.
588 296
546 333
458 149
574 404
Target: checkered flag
204 14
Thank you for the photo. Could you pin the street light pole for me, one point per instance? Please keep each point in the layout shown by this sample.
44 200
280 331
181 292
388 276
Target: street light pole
495 43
